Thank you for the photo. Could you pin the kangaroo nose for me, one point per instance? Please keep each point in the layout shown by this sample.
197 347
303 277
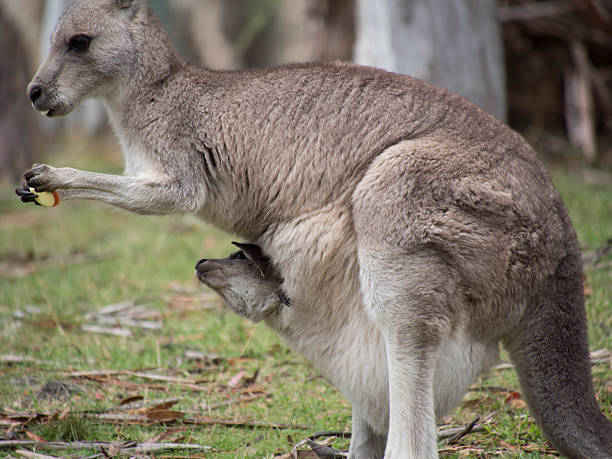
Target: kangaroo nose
35 93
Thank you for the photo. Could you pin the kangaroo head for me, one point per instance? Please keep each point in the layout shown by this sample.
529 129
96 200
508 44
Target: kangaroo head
92 50
246 280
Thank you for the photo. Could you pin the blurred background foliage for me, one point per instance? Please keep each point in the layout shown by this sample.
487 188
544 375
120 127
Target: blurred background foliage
543 66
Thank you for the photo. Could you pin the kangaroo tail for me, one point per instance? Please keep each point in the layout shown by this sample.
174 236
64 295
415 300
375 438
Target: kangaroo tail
550 351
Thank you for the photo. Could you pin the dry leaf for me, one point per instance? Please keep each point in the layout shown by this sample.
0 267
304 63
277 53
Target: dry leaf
236 379
512 396
159 407
167 434
251 379
164 415
517 403
132 399
509 446
33 436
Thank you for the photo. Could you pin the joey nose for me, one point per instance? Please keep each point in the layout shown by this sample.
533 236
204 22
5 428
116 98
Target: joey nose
35 92
203 260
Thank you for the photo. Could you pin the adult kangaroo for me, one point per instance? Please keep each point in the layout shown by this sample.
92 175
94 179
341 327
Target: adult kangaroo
412 230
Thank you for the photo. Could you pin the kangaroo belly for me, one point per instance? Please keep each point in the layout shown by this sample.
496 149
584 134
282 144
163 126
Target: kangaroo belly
329 326
327 323
350 353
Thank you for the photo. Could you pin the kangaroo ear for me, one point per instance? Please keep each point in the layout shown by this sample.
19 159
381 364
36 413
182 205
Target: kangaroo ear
256 256
130 7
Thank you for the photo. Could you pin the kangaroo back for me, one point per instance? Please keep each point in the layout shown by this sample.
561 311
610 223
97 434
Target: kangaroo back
551 354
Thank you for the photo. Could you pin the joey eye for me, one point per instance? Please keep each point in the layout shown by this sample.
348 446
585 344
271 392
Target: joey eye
80 42
238 256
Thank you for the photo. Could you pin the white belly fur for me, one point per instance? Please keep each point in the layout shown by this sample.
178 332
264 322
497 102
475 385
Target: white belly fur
328 325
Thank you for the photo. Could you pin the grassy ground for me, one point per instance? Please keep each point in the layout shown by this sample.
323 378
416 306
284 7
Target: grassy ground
60 266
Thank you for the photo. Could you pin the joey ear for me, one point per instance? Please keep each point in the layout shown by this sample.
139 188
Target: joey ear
256 256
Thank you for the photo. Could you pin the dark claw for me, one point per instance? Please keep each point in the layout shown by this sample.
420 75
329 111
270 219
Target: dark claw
26 195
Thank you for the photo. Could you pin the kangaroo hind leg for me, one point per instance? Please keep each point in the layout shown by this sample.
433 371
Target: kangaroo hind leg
409 296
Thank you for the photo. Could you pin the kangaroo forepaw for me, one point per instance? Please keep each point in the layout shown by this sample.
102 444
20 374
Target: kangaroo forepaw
42 178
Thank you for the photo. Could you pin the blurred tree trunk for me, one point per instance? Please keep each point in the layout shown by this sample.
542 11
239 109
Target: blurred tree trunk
18 126
306 31
314 30
202 26
89 114
26 17
231 34
455 44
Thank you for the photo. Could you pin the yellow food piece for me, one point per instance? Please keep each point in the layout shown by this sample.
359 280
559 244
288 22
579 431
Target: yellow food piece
44 198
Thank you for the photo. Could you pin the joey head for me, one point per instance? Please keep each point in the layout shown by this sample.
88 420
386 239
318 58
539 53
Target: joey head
246 280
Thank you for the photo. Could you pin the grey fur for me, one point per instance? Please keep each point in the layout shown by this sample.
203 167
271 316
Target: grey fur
413 231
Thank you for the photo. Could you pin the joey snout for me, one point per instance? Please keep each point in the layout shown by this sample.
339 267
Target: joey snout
211 273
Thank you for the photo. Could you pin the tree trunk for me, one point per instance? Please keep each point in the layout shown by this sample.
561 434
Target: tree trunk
90 113
306 31
205 38
18 125
455 44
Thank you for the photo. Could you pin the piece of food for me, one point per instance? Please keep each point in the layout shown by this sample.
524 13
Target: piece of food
46 198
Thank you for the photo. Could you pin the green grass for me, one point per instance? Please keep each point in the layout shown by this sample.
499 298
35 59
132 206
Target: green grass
150 260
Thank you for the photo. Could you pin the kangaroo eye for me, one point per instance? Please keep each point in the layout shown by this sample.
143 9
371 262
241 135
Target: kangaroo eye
80 42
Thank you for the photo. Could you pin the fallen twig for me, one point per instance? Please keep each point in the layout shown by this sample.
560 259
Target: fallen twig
469 428
601 356
129 447
163 402
199 420
31 455
138 374
490 389
449 432
106 330
12 271
324 451
153 415
128 322
236 401
111 309
330 433
127 384
156 377
103 376
128 314
592 257
10 359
